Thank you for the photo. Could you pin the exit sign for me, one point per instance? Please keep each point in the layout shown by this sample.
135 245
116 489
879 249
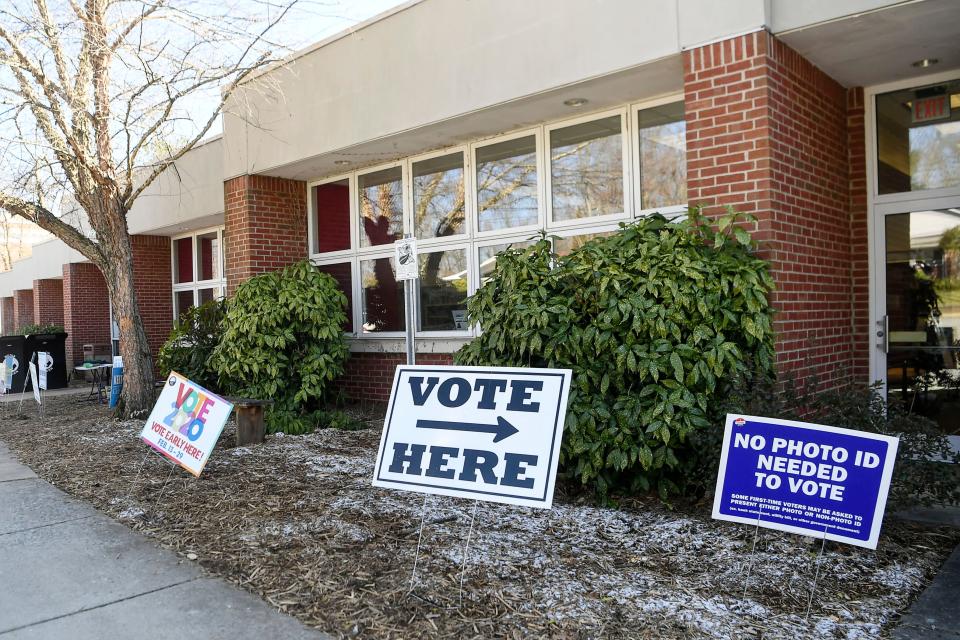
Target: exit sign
931 108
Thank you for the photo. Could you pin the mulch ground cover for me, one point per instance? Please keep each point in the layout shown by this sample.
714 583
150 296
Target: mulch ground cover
296 521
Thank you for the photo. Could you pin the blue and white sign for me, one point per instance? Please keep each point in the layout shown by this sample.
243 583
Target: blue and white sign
116 380
9 369
486 433
804 478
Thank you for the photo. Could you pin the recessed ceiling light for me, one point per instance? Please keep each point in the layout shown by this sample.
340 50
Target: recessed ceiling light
926 62
341 163
575 102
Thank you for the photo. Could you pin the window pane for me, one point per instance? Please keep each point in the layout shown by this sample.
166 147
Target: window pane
343 274
208 256
382 296
183 260
331 205
507 184
488 256
443 290
563 246
207 295
663 156
918 138
182 301
586 169
381 207
438 196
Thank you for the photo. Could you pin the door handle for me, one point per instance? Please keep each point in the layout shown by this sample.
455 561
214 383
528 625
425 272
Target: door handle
884 333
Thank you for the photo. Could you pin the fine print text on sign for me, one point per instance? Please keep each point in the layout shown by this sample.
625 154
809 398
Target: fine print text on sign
486 433
804 478
405 254
186 422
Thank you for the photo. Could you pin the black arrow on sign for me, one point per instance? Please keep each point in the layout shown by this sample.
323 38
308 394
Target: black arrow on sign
501 430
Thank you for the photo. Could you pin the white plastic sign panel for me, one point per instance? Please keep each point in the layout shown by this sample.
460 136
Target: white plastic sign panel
44 365
486 433
804 478
34 382
10 367
405 255
186 422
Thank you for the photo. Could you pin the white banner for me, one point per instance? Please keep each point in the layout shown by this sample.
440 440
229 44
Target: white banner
486 433
44 364
34 383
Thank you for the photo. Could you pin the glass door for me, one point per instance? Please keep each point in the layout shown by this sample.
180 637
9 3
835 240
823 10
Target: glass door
921 326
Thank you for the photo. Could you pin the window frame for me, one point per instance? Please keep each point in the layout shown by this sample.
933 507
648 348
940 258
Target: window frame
468 209
458 246
219 285
626 214
537 132
404 210
639 211
351 179
472 239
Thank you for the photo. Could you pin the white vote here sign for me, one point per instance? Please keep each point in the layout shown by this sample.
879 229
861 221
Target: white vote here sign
486 433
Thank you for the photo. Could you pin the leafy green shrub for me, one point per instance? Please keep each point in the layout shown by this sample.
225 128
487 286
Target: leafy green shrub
927 470
283 340
656 321
40 329
194 337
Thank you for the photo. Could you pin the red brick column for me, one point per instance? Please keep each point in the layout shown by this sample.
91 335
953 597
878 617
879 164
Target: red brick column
368 376
22 308
767 132
6 311
48 301
86 310
860 255
153 283
265 223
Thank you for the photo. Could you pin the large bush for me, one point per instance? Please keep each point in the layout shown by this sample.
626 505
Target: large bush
191 343
283 340
657 322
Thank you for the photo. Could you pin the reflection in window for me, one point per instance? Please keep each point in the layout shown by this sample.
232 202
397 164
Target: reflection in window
918 138
381 207
183 260
182 301
438 195
383 306
208 256
507 184
342 272
331 206
488 256
586 169
443 290
207 295
563 246
663 156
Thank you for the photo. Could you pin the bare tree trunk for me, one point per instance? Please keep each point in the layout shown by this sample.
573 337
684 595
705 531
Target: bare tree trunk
117 269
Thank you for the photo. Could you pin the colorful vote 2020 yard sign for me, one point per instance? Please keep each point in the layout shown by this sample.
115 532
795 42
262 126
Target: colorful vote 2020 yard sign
804 478
186 422
486 433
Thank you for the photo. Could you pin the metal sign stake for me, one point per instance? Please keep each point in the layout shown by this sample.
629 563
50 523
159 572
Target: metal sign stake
753 548
816 575
416 557
466 549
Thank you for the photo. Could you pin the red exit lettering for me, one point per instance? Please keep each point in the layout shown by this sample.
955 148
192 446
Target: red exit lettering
934 108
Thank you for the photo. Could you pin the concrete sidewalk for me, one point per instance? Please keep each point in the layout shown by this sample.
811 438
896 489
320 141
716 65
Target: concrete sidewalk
68 571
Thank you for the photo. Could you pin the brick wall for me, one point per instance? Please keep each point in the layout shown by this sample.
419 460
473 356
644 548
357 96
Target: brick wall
6 314
86 310
22 308
368 376
768 132
859 250
48 301
265 223
152 281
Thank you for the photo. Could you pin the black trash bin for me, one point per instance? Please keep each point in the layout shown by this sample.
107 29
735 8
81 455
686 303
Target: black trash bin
17 347
56 345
